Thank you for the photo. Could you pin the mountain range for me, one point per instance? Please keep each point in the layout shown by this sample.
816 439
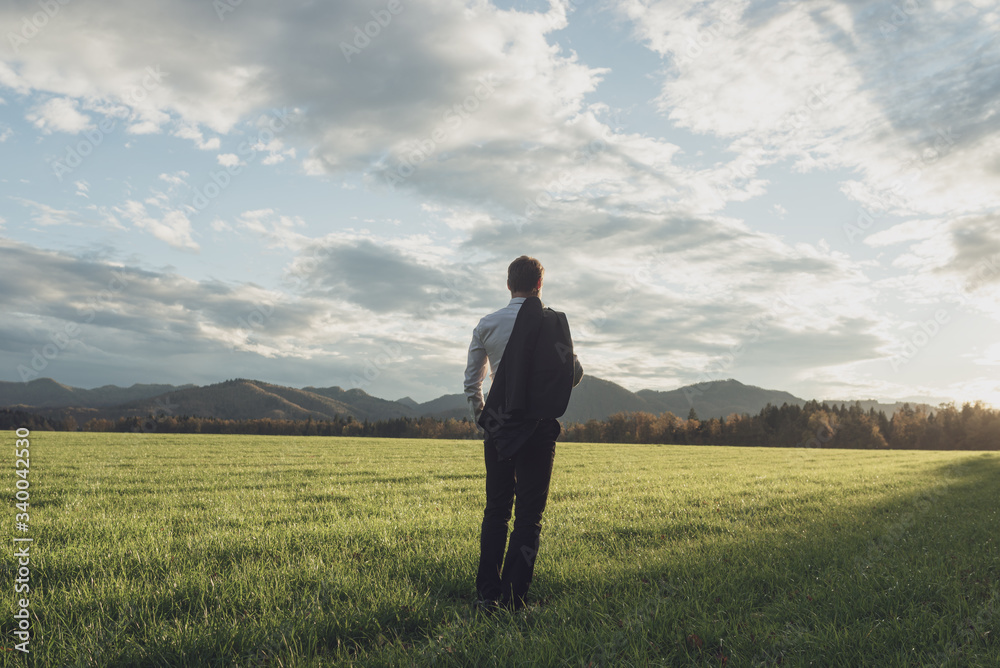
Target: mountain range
242 399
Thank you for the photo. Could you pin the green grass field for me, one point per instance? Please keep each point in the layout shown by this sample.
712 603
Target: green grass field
192 550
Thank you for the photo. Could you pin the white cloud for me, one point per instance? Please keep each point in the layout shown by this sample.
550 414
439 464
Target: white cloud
198 329
173 227
913 112
273 229
991 357
477 115
913 230
221 226
195 135
5 133
59 114
46 215
175 179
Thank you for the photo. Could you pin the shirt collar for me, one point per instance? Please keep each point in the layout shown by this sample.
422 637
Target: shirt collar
520 300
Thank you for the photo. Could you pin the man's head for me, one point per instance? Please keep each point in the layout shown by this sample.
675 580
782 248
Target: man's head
524 277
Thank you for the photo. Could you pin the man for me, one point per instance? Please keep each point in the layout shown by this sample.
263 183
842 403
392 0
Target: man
530 353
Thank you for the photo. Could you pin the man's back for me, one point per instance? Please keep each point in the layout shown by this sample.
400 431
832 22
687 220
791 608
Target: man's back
489 340
518 343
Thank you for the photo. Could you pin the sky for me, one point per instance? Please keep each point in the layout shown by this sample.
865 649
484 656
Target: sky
799 195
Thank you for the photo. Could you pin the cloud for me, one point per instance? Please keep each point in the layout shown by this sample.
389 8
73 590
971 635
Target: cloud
976 249
386 277
173 227
399 90
202 331
175 179
45 215
909 104
59 114
478 116
195 135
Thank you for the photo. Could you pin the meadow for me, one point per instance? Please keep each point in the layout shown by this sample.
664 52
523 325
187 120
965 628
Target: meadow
200 550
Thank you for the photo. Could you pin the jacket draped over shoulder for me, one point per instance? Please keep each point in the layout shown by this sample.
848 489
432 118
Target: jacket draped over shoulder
533 380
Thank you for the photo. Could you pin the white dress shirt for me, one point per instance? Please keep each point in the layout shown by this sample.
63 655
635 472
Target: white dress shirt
489 339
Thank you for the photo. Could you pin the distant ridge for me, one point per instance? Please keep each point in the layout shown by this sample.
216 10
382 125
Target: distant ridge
241 399
364 405
47 393
718 398
407 401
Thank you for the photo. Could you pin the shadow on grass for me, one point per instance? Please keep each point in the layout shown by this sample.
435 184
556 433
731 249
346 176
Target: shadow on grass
909 580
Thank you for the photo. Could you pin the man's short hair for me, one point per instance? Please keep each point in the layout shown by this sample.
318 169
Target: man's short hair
524 273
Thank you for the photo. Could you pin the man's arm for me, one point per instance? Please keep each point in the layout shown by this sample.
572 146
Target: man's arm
475 372
577 371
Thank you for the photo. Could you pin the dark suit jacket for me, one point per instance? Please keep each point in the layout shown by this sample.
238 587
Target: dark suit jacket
534 379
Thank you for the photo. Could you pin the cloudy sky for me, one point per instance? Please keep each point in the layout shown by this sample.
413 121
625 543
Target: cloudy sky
801 195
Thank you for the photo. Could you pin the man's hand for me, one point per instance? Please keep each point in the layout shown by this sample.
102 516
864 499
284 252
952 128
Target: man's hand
476 412
577 371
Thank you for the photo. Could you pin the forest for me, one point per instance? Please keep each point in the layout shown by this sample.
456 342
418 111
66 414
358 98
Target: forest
813 425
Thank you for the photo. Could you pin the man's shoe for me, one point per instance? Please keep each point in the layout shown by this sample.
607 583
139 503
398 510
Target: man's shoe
512 604
487 606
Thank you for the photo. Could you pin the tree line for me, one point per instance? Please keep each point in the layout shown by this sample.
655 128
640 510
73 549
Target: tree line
813 425
971 427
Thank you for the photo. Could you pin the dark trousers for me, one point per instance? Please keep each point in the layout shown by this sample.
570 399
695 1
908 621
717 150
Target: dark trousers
525 477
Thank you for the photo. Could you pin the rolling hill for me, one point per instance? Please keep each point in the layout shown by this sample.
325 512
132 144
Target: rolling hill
240 399
47 393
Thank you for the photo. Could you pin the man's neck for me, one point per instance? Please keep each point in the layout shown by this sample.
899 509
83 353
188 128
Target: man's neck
516 295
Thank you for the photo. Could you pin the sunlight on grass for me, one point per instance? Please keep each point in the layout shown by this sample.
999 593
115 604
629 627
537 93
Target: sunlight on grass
231 550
